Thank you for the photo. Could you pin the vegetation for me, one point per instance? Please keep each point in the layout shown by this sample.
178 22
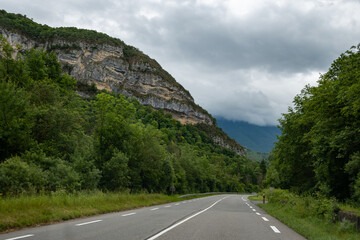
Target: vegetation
23 211
314 217
52 140
319 149
257 156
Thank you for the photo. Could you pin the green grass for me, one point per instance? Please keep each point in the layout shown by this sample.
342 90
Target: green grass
256 198
309 216
25 211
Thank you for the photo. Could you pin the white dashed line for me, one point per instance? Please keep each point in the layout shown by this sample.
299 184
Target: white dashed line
25 236
168 206
275 229
86 223
181 222
254 210
153 209
265 219
258 214
129 214
251 207
177 204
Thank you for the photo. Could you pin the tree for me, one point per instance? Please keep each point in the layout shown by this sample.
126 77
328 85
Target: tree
320 139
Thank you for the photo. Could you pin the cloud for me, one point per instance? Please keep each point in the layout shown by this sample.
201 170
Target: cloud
242 60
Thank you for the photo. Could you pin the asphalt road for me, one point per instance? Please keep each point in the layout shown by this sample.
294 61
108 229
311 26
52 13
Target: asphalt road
215 217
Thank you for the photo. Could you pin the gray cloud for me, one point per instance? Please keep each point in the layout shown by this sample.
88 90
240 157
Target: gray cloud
242 60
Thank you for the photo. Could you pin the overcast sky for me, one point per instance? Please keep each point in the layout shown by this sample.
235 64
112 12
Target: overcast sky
240 59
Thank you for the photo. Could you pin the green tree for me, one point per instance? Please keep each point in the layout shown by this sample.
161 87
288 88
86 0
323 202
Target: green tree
320 139
16 120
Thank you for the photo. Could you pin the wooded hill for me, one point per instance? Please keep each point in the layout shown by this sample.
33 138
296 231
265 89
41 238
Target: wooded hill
51 139
123 69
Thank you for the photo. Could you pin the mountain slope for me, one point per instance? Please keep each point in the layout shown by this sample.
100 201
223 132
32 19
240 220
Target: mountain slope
257 138
93 57
108 63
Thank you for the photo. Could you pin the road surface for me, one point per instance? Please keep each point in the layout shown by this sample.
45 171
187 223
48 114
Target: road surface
215 217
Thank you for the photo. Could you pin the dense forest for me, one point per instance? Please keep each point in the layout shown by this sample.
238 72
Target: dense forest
319 149
51 139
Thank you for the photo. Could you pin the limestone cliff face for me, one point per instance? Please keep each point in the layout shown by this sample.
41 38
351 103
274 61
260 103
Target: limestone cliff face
124 69
109 68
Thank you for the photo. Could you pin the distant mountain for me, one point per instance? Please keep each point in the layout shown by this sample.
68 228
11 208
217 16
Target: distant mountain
257 138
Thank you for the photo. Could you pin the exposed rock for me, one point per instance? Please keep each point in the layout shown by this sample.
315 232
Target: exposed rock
221 142
114 68
106 66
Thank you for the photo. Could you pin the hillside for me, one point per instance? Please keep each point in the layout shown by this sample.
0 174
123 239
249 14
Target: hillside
109 64
256 138
51 139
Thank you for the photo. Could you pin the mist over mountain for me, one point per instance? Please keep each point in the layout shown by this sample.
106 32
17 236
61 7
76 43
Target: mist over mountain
257 138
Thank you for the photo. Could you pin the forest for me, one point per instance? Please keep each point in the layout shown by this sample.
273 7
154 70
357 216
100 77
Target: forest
319 148
53 140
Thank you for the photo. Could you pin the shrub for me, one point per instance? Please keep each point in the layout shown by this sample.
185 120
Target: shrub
17 176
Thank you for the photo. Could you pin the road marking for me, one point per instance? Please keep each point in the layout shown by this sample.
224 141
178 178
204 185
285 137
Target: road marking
153 209
265 219
85 223
125 215
176 204
254 210
168 206
251 207
275 229
181 222
25 236
258 214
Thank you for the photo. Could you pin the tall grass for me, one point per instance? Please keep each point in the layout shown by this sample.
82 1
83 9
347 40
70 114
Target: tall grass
24 211
314 217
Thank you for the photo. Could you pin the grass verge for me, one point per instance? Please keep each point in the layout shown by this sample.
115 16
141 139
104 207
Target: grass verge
255 198
309 217
25 211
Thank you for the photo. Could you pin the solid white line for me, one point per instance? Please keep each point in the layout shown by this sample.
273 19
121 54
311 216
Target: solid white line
265 219
153 209
85 223
128 214
275 229
181 222
258 213
25 236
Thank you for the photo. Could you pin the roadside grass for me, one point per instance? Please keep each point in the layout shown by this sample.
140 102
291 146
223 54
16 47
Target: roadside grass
256 197
310 217
25 211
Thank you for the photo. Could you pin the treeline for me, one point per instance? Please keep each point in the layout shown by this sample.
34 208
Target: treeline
51 139
42 33
319 149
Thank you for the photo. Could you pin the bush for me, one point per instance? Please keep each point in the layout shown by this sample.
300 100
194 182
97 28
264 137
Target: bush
17 176
60 175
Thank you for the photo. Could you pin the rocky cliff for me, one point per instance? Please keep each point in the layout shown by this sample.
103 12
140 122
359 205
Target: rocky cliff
109 68
95 58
